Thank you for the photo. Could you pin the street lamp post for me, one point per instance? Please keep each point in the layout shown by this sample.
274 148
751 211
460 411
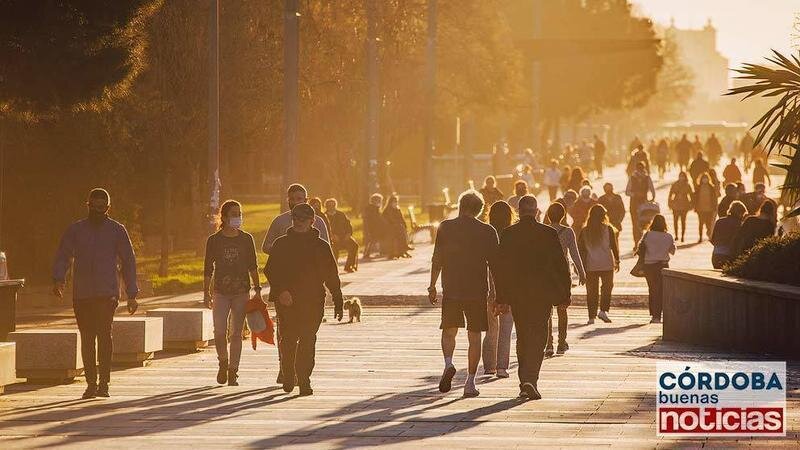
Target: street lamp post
213 113
370 167
291 107
430 106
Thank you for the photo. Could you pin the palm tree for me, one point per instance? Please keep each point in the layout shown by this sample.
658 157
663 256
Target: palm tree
779 127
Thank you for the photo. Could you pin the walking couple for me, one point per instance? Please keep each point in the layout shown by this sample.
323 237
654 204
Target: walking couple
529 273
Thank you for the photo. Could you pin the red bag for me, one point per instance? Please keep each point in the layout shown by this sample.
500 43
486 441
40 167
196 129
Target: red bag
268 335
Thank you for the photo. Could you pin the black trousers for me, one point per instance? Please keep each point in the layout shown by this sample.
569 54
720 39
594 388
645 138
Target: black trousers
94 317
593 280
298 340
349 245
531 324
562 326
652 273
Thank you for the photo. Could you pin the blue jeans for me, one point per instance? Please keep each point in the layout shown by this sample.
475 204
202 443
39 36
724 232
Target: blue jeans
232 305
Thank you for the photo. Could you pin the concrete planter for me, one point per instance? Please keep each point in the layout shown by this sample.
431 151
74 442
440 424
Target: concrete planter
704 307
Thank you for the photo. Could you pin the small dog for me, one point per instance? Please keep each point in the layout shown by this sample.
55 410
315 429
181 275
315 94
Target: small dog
353 307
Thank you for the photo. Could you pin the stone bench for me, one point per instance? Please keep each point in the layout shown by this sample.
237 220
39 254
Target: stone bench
8 364
185 329
136 339
47 356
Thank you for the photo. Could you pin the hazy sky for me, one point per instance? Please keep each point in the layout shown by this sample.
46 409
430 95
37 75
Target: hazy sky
746 29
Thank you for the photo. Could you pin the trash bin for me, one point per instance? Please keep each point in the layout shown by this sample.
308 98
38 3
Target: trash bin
8 306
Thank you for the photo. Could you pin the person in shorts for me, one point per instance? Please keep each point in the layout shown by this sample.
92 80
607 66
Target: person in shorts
464 247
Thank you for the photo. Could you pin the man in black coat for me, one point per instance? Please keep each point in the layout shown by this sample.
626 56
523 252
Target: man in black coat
532 276
299 267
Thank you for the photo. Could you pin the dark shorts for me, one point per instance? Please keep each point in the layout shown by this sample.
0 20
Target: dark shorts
455 311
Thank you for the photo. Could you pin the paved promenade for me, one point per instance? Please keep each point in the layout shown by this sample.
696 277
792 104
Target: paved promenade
375 384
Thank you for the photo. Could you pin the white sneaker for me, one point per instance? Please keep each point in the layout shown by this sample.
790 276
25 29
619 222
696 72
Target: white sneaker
502 373
590 322
471 391
603 316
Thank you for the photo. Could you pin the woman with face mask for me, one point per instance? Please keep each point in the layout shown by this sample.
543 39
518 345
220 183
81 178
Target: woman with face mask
231 262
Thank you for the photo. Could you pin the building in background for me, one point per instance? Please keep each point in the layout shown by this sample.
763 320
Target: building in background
697 50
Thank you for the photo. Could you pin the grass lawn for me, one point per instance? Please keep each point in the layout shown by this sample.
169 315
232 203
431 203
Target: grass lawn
186 267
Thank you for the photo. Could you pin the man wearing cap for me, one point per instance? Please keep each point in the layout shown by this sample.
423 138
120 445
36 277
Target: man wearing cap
299 267
93 246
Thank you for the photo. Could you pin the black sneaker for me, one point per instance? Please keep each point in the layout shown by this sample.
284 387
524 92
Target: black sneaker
446 382
102 390
562 348
289 383
529 391
548 353
305 390
222 373
90 392
232 378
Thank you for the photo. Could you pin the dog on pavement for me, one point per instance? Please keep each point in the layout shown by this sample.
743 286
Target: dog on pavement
353 307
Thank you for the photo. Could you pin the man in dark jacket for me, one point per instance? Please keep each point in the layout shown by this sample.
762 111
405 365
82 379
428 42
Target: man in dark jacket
299 267
341 234
614 205
531 276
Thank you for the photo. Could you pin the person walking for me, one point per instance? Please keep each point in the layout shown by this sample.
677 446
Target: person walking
640 189
599 249
746 149
684 150
680 202
754 200
705 205
731 173
614 205
599 155
576 179
341 235
713 150
462 253
698 167
374 226
662 157
93 246
656 246
299 268
555 217
520 190
760 174
497 341
552 179
490 192
724 233
580 209
295 195
756 227
532 276
396 229
230 261
639 155
731 194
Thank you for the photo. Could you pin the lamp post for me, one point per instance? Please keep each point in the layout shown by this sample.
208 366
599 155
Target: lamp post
370 167
214 183
291 106
430 106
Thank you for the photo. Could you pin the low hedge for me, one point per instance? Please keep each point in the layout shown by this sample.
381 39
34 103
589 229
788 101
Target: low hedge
774 259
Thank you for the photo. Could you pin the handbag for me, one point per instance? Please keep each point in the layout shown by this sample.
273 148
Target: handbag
638 268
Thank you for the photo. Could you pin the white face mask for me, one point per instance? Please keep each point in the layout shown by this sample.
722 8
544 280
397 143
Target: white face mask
235 222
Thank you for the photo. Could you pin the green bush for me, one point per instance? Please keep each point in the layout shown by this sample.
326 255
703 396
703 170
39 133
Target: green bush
774 259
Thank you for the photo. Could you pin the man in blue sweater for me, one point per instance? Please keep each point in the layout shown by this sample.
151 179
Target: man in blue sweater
93 246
